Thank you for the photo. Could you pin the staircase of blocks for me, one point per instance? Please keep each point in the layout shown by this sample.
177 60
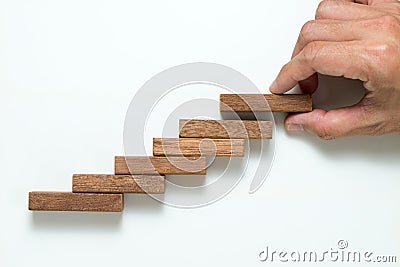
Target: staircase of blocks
185 155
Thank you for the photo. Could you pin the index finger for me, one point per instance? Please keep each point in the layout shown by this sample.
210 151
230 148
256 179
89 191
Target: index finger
329 58
371 2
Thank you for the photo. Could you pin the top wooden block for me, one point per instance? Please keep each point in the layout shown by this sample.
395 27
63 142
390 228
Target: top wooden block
257 103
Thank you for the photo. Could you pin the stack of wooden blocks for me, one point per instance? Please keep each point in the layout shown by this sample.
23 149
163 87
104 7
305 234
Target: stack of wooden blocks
185 155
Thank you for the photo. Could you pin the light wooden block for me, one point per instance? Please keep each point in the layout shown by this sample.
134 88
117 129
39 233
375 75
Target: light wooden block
106 183
198 147
232 129
257 103
67 201
160 165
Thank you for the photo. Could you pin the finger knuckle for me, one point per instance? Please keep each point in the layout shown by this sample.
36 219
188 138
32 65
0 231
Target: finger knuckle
384 53
325 133
388 50
285 68
311 51
304 36
322 8
324 130
308 26
382 59
389 23
396 9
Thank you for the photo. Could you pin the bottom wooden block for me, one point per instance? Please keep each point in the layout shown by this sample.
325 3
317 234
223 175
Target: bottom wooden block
67 201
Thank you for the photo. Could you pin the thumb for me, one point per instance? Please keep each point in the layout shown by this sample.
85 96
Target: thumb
348 121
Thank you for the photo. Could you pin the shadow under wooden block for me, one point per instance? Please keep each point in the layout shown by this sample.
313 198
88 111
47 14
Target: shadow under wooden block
231 129
68 201
257 103
108 183
198 147
160 165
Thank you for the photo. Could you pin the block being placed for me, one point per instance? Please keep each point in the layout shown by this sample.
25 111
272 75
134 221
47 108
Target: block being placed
257 103
67 201
232 129
106 183
198 147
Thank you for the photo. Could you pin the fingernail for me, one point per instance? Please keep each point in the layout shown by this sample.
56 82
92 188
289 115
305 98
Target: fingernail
292 127
274 86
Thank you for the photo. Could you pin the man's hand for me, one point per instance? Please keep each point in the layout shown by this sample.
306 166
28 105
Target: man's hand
354 39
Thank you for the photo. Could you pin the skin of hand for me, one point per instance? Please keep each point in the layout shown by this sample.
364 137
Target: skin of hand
357 40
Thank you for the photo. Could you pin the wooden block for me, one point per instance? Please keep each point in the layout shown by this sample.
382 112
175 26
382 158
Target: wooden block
198 147
67 201
160 165
256 103
105 183
232 129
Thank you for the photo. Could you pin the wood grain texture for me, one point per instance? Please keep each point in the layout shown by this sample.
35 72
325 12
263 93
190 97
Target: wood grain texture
160 165
105 183
198 147
232 129
67 201
257 103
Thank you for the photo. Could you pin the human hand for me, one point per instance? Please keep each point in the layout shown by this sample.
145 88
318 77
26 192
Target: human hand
355 39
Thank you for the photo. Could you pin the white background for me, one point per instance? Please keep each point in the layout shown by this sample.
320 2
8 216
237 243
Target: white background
68 70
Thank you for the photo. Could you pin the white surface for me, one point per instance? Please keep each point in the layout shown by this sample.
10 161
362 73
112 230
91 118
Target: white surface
68 70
